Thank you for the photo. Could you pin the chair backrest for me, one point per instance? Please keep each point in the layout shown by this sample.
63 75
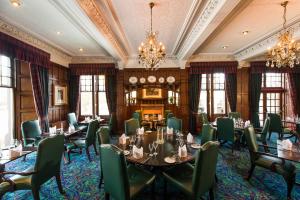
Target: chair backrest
166 113
131 125
48 160
265 129
170 115
205 168
251 139
225 129
234 115
72 120
30 129
91 132
204 118
275 123
137 115
208 133
103 135
114 172
174 123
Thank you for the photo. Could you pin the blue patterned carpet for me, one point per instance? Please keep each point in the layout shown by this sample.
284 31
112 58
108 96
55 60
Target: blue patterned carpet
80 180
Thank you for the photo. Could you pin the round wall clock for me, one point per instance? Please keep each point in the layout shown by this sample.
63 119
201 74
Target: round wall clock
151 79
142 80
133 80
161 80
171 79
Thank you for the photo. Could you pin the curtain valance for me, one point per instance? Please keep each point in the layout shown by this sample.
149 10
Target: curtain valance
259 67
213 67
14 48
93 69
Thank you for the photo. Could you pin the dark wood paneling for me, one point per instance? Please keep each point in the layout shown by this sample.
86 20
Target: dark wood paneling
243 92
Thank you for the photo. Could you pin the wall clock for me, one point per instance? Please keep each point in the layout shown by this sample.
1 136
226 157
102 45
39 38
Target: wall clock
151 79
133 80
161 80
142 80
171 79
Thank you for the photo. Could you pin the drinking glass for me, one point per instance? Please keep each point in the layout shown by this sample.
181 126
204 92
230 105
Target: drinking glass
155 145
150 150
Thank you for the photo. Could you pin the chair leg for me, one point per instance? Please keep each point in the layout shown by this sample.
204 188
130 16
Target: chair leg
95 149
101 179
58 181
250 172
216 178
106 196
290 184
69 156
35 193
211 194
88 154
24 158
270 132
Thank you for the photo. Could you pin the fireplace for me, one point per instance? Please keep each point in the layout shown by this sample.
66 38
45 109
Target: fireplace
151 111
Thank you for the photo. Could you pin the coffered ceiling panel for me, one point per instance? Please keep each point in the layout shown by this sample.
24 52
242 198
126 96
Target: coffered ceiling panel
43 19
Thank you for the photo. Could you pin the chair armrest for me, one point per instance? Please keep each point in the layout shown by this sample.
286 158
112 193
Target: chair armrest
18 173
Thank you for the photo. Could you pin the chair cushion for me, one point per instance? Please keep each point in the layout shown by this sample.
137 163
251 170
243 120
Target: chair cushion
182 177
23 182
138 179
80 143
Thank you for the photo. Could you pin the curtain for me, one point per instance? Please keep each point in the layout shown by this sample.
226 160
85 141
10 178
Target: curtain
74 93
254 95
194 96
231 90
213 67
111 97
294 82
40 87
93 69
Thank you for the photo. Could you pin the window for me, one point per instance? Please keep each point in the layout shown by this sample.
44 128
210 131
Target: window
272 95
212 96
92 97
6 101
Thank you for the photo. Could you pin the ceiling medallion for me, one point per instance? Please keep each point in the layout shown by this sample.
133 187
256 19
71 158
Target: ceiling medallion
151 53
286 52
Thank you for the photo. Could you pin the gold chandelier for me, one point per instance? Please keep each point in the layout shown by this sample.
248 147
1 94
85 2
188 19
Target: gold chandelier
151 53
286 52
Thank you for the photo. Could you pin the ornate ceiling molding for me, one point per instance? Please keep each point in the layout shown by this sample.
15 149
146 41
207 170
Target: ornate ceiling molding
92 10
93 59
56 55
260 46
207 57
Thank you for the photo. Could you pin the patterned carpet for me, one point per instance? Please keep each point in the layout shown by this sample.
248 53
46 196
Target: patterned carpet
80 180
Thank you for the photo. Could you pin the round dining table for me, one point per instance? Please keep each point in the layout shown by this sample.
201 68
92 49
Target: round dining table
169 148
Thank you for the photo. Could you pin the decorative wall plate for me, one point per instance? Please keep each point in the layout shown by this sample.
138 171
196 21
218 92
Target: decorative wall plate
142 80
133 80
171 79
151 79
161 80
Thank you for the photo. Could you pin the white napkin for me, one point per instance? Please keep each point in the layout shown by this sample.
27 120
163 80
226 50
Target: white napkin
141 131
122 139
182 151
71 128
169 131
137 152
287 144
247 123
190 138
52 130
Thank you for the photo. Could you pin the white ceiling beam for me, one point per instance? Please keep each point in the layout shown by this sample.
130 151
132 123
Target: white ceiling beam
211 17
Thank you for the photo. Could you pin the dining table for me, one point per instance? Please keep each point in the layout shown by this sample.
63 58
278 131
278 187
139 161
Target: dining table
168 149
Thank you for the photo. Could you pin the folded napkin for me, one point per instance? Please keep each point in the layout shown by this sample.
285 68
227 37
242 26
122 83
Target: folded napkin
137 152
247 123
122 139
169 131
71 128
52 130
287 144
190 138
141 131
182 151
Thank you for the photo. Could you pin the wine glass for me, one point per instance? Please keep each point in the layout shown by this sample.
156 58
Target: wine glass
155 145
150 150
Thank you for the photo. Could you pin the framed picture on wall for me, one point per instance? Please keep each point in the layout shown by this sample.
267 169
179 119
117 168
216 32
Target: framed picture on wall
152 93
60 95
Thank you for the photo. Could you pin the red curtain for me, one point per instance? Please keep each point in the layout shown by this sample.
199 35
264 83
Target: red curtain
93 69
294 83
213 67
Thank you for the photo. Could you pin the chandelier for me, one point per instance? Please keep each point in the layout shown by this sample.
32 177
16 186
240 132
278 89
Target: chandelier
151 53
286 52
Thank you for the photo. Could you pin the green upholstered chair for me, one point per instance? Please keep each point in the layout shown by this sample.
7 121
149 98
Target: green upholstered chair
277 127
208 133
269 161
225 131
5 186
131 125
137 115
122 182
262 136
89 140
234 115
196 180
166 112
47 165
31 133
175 123
203 117
170 115
72 120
